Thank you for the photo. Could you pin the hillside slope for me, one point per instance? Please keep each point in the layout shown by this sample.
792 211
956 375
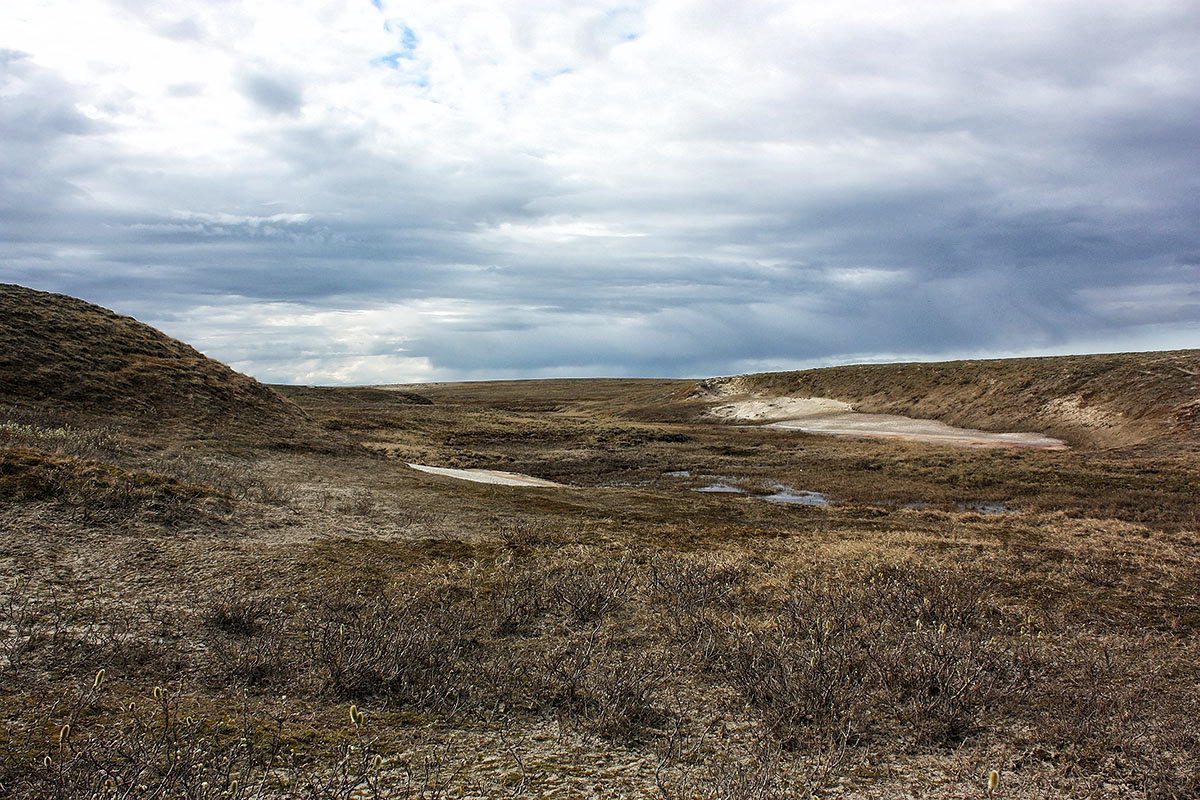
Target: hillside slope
1097 400
90 365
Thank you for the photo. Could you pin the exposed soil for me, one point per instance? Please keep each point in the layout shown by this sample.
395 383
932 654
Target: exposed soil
777 409
1100 401
834 418
893 426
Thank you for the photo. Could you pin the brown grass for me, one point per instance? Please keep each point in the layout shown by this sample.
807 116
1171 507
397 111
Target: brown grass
91 366
1096 400
626 636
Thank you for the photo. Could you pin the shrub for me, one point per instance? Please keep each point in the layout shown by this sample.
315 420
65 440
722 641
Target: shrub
414 650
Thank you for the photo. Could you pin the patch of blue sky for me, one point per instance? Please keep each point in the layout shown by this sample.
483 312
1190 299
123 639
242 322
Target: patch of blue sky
626 19
407 74
408 37
545 76
408 46
390 60
378 5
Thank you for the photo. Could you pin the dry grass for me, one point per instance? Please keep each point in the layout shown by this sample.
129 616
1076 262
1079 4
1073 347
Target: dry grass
1099 400
774 676
85 363
624 637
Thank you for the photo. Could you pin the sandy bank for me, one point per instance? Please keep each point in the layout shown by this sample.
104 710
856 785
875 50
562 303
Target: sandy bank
887 426
823 415
764 409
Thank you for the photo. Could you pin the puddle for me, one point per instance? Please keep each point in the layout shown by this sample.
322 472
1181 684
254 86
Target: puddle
678 473
720 488
721 484
727 484
487 476
985 508
788 495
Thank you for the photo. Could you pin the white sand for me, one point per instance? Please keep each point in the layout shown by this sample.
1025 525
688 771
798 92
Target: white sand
888 426
764 409
487 476
835 418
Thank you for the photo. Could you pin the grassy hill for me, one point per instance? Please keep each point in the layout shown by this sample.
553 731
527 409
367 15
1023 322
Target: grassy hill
1098 400
89 365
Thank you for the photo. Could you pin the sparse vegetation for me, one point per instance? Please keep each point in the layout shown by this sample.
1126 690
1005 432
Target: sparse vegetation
624 637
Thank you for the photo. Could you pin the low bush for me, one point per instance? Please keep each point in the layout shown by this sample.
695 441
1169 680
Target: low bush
902 650
161 746
414 650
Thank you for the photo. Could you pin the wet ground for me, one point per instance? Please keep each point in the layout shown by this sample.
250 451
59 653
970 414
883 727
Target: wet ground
720 484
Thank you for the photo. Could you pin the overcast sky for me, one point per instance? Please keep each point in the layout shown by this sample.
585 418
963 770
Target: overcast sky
371 191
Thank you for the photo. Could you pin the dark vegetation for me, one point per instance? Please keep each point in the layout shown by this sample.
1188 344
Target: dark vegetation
314 620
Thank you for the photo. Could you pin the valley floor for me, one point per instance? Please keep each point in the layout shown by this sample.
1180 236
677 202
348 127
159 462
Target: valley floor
325 621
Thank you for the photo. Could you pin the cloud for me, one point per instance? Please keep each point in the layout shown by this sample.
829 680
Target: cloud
273 94
27 116
180 29
662 187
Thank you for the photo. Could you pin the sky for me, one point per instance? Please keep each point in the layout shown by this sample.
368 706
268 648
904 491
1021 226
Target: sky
377 191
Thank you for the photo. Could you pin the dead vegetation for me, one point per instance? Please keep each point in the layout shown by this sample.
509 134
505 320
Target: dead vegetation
774 674
318 621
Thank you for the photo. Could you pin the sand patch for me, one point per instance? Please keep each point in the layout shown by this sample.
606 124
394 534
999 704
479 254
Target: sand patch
766 409
1074 411
891 426
487 476
831 417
